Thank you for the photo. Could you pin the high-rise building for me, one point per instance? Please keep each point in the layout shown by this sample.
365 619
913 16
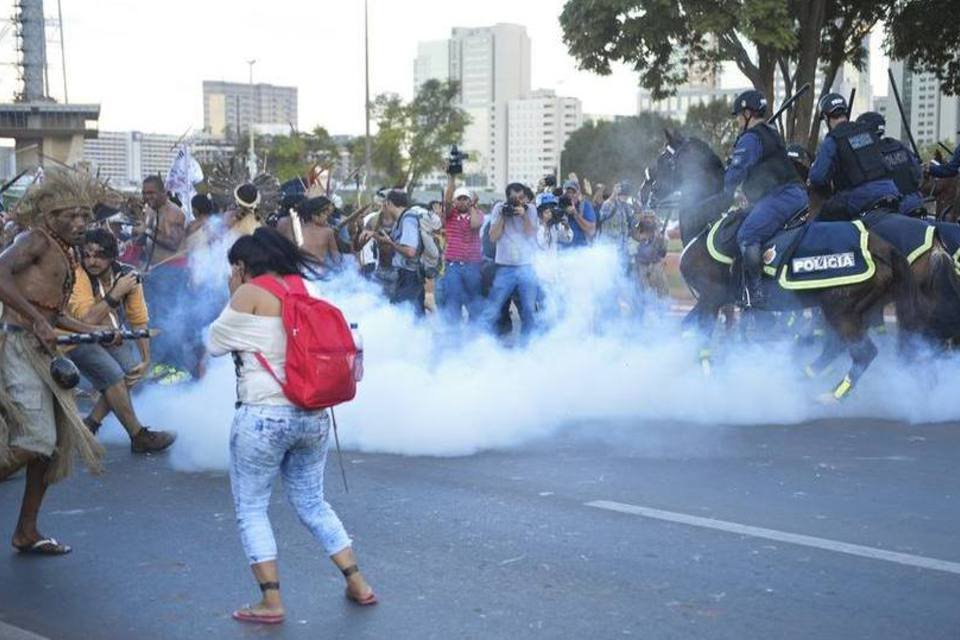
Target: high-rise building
538 128
230 108
432 63
933 116
125 158
492 65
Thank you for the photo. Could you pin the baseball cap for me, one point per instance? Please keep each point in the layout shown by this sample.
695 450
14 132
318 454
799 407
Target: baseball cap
571 184
462 192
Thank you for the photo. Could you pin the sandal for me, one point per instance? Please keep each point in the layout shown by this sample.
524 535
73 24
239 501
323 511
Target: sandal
246 614
369 599
44 547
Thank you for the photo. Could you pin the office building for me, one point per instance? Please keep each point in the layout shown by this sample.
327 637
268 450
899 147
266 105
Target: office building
537 130
933 116
125 158
230 108
492 65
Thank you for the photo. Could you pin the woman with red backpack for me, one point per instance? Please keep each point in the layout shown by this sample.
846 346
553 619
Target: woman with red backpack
277 428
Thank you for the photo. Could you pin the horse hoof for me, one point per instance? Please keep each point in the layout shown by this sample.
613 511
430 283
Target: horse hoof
827 399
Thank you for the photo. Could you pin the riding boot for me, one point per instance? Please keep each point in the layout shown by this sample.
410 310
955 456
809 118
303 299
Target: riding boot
751 259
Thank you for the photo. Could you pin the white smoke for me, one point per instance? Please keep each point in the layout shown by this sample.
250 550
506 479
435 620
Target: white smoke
430 391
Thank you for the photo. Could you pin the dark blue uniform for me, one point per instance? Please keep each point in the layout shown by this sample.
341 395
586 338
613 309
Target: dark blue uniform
849 158
770 184
948 170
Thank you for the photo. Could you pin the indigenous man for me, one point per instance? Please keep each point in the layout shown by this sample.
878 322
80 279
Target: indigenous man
166 272
242 218
317 237
39 424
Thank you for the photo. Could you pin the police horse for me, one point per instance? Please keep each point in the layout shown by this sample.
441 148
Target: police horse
838 267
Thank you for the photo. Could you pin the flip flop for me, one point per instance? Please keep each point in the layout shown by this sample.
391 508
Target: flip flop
44 547
246 615
370 598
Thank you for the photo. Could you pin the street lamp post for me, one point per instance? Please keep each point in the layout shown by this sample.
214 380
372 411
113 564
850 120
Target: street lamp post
367 153
251 153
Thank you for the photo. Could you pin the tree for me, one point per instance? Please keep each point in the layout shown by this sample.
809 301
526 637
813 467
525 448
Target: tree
712 123
927 34
412 139
613 151
664 40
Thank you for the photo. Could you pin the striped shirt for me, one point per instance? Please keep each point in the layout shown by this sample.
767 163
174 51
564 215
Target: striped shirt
463 243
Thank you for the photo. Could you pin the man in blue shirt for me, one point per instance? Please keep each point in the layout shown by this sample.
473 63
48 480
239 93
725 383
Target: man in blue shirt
948 170
849 158
760 166
583 219
904 167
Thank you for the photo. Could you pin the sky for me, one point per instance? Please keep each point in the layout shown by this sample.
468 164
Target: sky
145 63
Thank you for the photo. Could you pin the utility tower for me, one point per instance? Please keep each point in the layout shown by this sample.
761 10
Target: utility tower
45 131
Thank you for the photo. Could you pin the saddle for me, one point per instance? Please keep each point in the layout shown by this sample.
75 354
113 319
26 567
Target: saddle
911 237
812 255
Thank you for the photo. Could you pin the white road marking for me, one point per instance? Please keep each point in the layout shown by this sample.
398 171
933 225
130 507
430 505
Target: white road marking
781 536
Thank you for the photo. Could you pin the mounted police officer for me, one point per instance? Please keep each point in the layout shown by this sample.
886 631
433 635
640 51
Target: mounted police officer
850 158
769 181
904 167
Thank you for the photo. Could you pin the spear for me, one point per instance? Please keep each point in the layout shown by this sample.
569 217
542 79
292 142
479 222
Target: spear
97 337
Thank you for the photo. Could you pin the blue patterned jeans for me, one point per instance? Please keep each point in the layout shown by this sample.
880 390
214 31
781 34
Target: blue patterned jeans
266 440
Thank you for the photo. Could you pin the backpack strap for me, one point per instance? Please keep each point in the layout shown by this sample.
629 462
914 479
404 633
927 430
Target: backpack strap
290 284
272 285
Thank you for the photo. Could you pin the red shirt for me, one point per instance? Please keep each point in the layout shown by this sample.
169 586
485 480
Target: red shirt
463 243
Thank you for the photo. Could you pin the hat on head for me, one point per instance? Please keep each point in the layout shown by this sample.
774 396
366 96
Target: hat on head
462 192
571 184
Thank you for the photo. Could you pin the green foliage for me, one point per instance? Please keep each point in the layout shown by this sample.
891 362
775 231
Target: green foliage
289 156
712 123
413 138
611 151
927 32
663 40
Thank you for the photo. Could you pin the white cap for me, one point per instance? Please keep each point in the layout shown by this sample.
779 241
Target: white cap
462 192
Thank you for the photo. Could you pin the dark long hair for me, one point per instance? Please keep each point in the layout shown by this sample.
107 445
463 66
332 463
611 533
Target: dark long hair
267 250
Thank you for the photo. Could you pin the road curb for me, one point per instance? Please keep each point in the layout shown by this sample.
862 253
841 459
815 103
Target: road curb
10 632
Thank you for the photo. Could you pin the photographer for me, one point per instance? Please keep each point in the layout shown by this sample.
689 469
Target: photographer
404 241
582 216
105 292
513 228
554 229
617 218
462 219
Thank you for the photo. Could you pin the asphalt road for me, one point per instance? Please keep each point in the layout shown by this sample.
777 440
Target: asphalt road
505 545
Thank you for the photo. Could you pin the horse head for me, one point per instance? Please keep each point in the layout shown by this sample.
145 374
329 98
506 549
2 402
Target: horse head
687 172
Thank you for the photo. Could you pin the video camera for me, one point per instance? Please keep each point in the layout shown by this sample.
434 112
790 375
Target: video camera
455 161
564 202
510 208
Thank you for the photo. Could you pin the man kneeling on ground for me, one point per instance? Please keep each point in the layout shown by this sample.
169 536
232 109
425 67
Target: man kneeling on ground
104 291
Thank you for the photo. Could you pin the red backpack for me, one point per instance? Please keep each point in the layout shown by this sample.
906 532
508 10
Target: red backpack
319 369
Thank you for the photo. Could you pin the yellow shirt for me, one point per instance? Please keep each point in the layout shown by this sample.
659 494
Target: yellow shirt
83 297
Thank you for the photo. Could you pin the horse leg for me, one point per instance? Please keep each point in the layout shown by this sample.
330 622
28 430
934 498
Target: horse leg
832 347
862 352
700 321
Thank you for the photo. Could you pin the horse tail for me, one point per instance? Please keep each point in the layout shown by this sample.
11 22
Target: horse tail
906 293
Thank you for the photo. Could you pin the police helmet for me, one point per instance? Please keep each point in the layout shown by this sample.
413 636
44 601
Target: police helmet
832 105
873 120
751 99
798 153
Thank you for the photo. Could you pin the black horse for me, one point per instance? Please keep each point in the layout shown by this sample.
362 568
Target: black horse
689 173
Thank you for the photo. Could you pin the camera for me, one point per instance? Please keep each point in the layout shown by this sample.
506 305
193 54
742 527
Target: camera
122 269
565 202
455 161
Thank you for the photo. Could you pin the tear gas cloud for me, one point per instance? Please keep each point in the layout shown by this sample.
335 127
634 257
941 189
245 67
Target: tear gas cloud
430 391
